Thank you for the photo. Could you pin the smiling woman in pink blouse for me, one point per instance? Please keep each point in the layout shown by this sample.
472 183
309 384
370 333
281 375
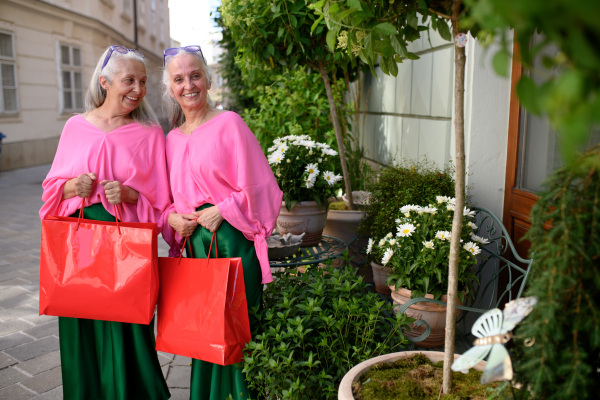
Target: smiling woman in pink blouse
221 182
112 154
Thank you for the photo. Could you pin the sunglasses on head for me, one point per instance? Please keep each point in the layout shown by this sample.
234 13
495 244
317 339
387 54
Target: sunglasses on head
119 49
175 50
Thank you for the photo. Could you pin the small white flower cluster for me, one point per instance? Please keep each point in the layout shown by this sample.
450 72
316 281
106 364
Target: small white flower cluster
407 225
282 145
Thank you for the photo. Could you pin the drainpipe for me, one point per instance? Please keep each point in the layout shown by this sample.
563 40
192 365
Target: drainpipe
135 25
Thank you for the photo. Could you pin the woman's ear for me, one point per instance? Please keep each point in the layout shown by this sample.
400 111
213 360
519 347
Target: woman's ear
103 82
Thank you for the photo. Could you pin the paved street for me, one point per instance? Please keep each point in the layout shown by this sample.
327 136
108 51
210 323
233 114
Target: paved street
29 355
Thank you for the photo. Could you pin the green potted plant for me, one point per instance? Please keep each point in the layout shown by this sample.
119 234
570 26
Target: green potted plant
400 183
316 326
305 171
417 254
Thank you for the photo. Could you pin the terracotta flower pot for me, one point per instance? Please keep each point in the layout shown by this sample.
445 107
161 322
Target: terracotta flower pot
433 314
345 389
342 224
305 216
380 275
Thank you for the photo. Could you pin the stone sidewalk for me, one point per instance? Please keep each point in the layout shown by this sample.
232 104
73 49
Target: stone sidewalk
29 355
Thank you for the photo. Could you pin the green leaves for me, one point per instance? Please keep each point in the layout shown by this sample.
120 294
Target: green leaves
318 325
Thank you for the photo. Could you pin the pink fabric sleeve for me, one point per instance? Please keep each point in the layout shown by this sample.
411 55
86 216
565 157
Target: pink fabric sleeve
60 172
253 208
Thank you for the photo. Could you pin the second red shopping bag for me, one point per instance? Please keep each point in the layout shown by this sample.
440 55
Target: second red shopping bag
202 311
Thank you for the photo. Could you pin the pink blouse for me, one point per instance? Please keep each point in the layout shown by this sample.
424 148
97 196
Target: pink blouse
221 163
132 154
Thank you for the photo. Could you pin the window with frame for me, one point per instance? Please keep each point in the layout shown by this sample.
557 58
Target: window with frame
71 78
8 75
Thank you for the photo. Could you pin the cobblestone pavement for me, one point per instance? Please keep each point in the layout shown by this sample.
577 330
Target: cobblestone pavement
29 355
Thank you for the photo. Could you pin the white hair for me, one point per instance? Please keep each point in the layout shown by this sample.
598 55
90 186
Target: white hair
170 105
96 94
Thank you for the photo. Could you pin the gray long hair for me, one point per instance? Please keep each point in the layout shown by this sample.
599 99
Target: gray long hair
96 94
170 105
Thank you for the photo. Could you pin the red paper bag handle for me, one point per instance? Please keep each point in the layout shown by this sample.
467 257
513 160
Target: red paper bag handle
185 240
80 217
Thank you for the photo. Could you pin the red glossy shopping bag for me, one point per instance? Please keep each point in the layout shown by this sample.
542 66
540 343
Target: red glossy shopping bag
202 311
98 269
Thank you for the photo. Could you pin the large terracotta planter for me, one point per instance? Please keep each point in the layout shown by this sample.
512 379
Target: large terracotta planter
342 224
380 275
305 216
433 314
345 389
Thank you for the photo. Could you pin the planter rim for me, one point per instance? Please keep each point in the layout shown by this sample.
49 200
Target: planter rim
345 389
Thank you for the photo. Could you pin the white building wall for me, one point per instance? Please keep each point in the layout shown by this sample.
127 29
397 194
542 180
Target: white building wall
38 28
409 117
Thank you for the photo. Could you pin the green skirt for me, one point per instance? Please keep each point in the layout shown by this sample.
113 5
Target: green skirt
212 381
109 360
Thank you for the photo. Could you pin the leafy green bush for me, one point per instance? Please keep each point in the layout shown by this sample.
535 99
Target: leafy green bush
564 360
295 103
400 184
315 327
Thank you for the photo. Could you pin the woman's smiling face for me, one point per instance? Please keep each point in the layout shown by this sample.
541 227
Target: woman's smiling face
128 86
188 81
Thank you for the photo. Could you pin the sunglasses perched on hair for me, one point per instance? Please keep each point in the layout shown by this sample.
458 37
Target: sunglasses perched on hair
175 50
119 49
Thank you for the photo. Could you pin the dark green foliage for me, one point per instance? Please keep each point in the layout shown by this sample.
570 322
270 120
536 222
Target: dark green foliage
401 184
316 326
564 362
296 103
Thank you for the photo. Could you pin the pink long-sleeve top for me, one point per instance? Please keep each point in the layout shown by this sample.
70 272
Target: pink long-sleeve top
132 154
221 163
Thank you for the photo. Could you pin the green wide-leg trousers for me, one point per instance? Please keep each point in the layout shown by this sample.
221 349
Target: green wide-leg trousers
103 360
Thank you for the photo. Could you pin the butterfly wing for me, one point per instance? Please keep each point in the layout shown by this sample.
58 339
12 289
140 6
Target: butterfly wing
498 366
488 324
470 358
516 310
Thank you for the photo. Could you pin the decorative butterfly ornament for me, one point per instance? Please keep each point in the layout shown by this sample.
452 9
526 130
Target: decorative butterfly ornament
492 330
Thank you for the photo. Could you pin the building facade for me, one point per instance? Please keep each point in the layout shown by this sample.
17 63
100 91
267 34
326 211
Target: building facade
48 50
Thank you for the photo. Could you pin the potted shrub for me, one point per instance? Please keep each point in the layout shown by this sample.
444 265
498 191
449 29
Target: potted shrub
417 253
316 326
398 184
305 171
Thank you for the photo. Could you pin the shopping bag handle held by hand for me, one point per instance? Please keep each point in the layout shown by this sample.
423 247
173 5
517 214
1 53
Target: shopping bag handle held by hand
185 240
80 217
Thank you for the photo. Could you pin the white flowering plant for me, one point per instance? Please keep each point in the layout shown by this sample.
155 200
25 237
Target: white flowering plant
304 169
418 252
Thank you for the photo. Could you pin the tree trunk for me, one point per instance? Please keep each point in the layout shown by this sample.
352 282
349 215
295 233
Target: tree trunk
459 142
338 133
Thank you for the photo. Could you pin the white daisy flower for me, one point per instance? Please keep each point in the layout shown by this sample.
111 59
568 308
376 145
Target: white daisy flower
312 169
406 230
472 225
310 181
443 235
331 178
382 242
276 157
370 245
429 210
389 235
329 152
387 256
479 239
392 242
472 248
428 244
468 213
309 144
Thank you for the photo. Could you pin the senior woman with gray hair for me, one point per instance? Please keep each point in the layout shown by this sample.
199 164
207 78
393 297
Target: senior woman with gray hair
113 154
221 182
